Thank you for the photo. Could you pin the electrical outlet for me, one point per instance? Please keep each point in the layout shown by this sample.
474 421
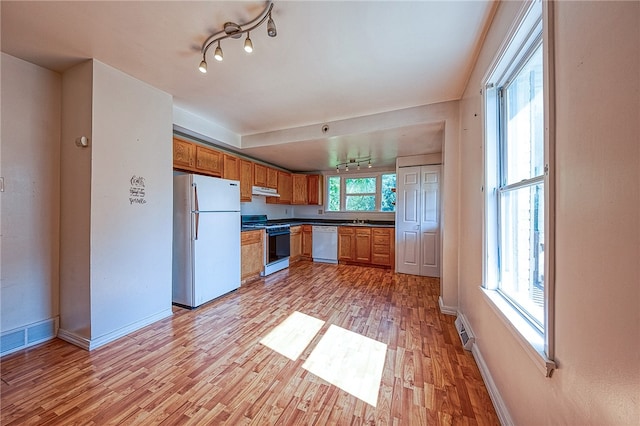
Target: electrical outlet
320 211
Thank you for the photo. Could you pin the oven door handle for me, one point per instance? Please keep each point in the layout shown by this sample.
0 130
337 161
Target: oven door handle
276 233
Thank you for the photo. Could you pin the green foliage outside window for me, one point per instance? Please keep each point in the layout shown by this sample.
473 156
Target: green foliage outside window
333 203
360 193
387 193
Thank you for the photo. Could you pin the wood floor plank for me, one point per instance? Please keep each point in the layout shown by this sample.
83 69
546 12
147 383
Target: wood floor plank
206 366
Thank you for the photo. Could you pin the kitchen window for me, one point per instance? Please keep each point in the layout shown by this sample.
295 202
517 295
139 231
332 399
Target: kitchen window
361 193
517 211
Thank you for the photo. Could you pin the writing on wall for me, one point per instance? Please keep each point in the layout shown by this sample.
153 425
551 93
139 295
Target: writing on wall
137 190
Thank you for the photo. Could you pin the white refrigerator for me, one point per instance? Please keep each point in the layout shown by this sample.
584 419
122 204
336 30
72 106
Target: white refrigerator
206 238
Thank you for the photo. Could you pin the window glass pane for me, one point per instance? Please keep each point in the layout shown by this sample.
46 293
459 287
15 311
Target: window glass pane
388 194
365 185
522 248
333 203
360 202
524 126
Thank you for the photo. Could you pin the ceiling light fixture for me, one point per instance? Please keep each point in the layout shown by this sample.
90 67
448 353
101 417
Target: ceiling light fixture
248 45
233 30
353 161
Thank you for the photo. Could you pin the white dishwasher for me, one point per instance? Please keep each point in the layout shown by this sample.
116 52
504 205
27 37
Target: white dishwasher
324 247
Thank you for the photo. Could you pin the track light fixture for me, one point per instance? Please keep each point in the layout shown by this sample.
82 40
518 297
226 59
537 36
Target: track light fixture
352 162
233 30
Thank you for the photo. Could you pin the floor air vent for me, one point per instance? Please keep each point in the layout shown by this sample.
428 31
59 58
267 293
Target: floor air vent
466 337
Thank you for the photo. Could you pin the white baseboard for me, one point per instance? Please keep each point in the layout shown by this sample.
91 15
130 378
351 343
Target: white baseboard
28 335
447 310
494 394
90 344
74 339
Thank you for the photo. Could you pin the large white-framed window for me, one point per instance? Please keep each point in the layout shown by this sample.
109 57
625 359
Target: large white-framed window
518 228
361 192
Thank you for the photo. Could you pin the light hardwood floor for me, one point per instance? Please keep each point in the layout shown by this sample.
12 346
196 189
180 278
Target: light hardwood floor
207 366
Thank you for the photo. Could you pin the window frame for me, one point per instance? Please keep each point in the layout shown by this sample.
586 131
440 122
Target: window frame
531 29
343 190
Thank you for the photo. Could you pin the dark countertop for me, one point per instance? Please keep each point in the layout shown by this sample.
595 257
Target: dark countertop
329 222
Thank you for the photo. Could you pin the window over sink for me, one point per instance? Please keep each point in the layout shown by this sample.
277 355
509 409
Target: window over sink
367 192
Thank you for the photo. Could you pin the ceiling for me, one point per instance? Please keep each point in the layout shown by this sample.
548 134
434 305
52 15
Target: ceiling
332 61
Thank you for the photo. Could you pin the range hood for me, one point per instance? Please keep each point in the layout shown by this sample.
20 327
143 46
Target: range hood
267 192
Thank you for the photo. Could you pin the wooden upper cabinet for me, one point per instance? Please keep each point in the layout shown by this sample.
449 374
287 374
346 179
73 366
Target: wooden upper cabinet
299 191
293 188
246 180
231 168
285 188
184 154
272 178
209 160
314 189
259 175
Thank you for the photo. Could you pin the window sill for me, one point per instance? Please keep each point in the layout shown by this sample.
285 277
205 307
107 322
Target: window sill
531 340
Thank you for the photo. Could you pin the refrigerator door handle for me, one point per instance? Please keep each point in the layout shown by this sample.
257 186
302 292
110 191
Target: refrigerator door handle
197 218
197 209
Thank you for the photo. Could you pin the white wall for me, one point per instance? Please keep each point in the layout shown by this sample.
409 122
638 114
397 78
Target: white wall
597 224
30 153
258 205
75 202
126 211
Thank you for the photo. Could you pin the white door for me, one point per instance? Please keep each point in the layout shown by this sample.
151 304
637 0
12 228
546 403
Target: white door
430 221
408 220
418 220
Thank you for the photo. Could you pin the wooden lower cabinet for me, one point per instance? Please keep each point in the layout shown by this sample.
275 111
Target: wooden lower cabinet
252 255
295 245
383 247
307 242
366 245
362 252
346 246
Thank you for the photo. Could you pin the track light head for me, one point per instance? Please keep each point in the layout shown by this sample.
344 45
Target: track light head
271 27
218 53
369 166
248 45
203 67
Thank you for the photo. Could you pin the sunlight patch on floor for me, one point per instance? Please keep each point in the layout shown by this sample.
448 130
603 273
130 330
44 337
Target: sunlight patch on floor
293 335
350 361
